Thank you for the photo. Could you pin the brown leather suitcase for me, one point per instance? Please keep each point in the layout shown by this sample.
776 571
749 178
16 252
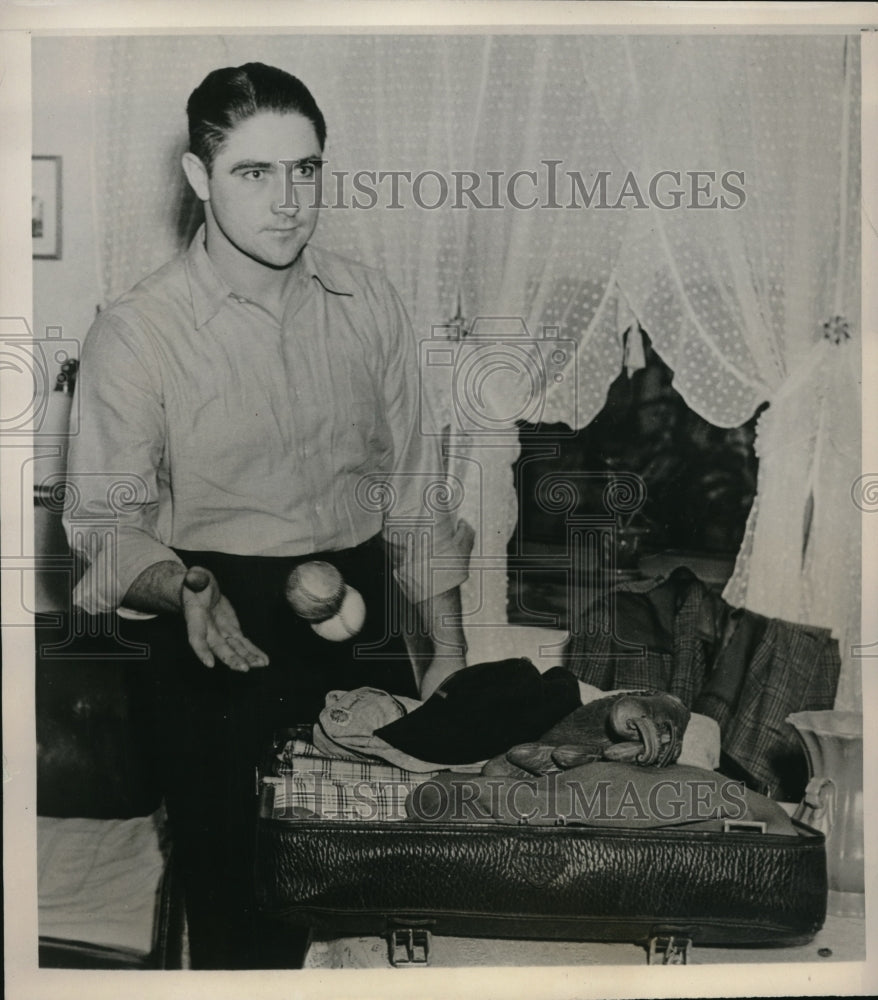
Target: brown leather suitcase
664 888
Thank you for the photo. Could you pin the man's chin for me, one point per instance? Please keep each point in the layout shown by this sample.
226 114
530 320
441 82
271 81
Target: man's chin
277 262
280 265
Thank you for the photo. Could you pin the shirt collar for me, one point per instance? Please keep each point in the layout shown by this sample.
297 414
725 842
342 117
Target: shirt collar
209 291
321 265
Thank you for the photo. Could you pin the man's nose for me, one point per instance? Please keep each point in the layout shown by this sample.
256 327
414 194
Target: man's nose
286 201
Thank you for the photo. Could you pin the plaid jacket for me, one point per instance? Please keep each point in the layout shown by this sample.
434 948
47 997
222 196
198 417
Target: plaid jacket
746 671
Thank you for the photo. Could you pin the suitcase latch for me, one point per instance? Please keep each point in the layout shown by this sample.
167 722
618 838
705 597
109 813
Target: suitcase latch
409 946
744 826
668 949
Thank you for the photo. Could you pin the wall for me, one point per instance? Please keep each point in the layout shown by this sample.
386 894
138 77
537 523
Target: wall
66 291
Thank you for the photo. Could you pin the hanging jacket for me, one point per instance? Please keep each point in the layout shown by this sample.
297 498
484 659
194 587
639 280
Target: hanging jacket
745 671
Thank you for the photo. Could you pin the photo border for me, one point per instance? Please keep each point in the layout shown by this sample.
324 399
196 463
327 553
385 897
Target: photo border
18 25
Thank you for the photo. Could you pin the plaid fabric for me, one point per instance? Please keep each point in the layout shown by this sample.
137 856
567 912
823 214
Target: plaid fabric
674 656
787 668
300 796
309 784
300 756
794 668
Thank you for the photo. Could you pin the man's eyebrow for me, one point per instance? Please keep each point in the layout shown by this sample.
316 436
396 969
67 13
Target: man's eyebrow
314 160
252 165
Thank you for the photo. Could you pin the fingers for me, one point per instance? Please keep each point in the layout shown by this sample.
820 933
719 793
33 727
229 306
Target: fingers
196 630
198 596
232 648
246 654
536 758
672 743
649 735
628 752
251 652
212 625
572 755
228 649
238 653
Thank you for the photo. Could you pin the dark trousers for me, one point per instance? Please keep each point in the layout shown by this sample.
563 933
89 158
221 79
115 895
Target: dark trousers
215 726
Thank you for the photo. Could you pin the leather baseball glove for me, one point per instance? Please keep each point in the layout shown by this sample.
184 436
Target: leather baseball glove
636 727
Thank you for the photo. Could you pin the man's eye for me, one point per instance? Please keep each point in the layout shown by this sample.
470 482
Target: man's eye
254 175
306 171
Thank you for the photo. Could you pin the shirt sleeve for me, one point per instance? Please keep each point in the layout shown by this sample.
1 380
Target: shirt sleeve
431 555
111 515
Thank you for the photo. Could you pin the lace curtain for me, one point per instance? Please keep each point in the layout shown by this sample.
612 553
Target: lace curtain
734 299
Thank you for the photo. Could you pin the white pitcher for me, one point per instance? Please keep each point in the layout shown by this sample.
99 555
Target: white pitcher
833 801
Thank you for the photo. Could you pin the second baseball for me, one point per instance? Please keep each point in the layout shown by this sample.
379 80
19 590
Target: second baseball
347 622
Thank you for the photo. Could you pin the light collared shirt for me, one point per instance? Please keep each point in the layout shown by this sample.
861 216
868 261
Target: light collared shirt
206 424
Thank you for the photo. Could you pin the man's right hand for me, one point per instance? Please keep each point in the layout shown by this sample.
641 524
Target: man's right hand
212 625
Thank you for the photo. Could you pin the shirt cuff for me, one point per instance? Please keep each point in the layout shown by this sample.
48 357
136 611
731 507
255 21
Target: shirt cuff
445 569
110 574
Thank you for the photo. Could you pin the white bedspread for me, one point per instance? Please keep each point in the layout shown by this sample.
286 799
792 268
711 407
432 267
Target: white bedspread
98 880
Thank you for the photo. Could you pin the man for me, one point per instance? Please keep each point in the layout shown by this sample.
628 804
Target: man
251 394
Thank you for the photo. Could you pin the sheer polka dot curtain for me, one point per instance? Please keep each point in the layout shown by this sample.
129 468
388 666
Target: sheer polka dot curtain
598 168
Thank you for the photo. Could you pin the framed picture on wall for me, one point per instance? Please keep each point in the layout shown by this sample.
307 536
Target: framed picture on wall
46 207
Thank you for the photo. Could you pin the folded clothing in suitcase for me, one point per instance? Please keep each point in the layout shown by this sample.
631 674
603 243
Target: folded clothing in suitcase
306 784
720 882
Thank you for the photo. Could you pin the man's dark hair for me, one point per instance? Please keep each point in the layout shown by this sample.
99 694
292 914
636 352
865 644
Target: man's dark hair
226 97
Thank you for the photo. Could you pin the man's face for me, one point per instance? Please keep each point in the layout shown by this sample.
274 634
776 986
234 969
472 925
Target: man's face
247 189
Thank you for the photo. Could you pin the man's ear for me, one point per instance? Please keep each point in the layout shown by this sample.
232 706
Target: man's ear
197 175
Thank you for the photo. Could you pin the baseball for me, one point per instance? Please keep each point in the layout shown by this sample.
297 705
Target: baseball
315 590
347 622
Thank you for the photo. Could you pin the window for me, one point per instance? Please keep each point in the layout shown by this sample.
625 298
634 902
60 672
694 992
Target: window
700 482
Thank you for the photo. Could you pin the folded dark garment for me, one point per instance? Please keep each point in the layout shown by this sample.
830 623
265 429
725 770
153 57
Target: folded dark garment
602 794
484 709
